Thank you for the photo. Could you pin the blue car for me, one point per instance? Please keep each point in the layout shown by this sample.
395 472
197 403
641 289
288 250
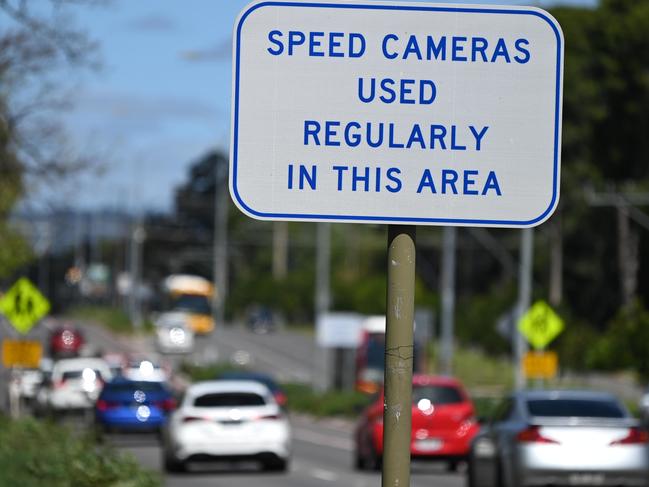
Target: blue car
128 405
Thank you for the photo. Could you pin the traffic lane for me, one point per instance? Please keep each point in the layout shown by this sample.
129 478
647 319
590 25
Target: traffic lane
322 455
287 355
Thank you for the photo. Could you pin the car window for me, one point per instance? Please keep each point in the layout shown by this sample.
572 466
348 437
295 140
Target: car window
229 399
437 394
586 408
75 374
133 386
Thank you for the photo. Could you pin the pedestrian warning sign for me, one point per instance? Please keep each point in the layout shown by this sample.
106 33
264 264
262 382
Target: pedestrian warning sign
24 305
540 325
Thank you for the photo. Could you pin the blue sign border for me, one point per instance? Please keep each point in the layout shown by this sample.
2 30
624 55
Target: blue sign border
395 220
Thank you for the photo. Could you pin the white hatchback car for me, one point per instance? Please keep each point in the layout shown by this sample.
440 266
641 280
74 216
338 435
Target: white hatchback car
228 420
75 383
174 335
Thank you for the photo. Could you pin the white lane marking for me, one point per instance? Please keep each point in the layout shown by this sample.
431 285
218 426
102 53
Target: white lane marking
322 474
323 440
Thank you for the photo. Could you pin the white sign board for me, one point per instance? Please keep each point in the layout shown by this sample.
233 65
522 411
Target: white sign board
412 113
342 330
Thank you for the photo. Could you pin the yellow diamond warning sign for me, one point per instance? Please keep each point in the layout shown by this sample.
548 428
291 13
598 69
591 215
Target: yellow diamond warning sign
540 325
24 305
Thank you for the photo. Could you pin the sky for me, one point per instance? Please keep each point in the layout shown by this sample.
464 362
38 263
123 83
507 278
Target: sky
161 98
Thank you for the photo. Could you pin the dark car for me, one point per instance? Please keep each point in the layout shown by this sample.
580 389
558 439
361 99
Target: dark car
66 341
443 424
267 380
133 405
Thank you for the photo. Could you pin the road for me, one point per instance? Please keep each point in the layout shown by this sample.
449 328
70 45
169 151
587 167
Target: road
322 450
322 455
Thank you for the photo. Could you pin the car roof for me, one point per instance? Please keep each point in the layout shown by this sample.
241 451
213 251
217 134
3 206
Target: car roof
437 380
217 386
246 376
566 394
79 363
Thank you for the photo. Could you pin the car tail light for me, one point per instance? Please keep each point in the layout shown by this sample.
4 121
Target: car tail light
533 435
166 405
103 405
269 416
634 437
280 398
59 383
190 419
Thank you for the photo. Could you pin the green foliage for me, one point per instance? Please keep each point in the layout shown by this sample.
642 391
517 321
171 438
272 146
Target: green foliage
199 373
476 319
34 454
625 343
302 398
111 318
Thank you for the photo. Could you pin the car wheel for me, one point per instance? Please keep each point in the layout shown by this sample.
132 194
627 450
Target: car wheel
276 465
173 464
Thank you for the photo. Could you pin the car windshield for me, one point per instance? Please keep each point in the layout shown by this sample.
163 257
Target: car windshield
193 303
76 374
376 351
436 394
586 408
134 386
229 399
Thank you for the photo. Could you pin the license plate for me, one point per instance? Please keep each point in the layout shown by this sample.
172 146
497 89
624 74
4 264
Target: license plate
430 444
586 479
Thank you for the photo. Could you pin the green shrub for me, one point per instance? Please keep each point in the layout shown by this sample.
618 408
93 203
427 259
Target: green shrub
33 453
302 398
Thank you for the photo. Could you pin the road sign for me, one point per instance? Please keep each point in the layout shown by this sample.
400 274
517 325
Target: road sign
24 305
540 325
540 365
408 113
21 353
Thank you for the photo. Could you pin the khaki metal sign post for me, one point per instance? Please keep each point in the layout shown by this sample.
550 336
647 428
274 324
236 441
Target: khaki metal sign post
399 351
396 113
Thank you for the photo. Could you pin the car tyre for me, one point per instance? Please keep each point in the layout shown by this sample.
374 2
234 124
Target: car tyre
173 464
276 465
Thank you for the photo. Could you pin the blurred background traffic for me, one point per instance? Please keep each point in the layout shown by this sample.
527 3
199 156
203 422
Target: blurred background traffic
147 322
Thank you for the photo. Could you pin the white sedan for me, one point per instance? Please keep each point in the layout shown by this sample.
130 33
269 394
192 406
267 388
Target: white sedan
232 420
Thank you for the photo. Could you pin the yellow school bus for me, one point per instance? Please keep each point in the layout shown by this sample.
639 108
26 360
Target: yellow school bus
191 295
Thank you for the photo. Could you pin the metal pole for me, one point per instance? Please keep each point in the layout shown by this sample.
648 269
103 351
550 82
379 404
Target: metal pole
323 378
137 239
524 300
448 300
220 251
397 412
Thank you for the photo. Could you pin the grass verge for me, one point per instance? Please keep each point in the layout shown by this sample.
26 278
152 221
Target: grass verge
37 453
113 319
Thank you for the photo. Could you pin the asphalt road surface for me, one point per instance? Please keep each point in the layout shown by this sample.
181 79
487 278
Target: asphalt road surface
322 455
322 450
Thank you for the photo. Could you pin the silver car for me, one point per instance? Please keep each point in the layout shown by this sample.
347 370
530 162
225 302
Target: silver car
560 438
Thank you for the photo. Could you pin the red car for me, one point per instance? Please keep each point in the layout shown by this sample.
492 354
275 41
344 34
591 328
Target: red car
443 424
65 341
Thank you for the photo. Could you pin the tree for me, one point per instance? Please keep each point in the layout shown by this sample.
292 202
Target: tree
37 47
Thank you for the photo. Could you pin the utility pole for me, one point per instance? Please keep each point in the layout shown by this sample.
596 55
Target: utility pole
280 250
519 346
137 239
397 409
322 300
448 300
220 266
